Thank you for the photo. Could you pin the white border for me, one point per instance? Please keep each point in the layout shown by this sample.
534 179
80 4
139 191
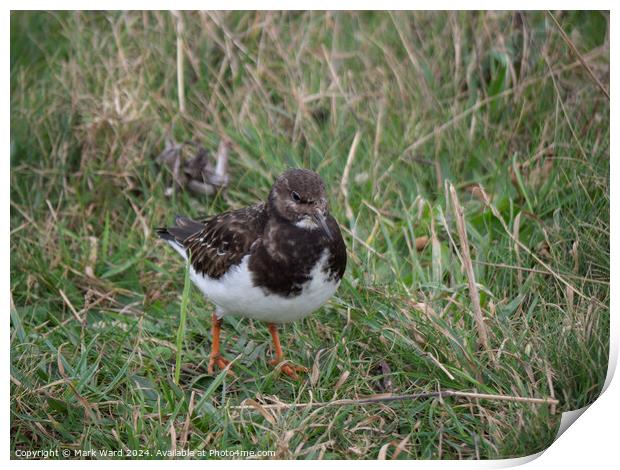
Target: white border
310 5
591 441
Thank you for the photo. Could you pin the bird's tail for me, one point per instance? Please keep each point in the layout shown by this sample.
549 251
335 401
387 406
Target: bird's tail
177 234
183 229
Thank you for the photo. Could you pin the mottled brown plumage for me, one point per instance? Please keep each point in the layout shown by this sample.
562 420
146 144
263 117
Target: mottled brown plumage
224 239
285 253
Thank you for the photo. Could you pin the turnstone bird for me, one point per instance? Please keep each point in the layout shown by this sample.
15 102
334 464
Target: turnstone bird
275 261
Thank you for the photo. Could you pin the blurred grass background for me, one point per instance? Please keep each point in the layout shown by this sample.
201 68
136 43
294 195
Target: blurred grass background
495 103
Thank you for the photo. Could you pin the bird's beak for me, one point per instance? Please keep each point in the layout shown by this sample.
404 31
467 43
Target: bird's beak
319 218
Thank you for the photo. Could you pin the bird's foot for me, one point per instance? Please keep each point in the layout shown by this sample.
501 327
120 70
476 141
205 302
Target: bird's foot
288 368
218 361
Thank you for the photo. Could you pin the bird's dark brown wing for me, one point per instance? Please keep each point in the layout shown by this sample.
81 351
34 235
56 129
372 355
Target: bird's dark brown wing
218 243
338 250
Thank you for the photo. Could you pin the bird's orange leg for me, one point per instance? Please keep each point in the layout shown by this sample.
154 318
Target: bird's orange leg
289 369
216 358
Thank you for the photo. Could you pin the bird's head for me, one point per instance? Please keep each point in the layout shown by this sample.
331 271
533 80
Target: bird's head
298 196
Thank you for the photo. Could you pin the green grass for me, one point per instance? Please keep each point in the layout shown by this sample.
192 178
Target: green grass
96 299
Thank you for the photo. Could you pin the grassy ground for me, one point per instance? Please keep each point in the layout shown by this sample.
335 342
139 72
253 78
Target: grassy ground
474 100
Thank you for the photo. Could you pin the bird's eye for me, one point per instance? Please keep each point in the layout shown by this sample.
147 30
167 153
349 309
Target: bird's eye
296 197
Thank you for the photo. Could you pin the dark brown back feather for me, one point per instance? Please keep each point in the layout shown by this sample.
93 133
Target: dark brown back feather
220 242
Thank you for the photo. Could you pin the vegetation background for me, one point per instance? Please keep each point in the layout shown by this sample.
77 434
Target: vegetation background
394 110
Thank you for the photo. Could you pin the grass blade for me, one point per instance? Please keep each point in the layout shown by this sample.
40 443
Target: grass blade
182 321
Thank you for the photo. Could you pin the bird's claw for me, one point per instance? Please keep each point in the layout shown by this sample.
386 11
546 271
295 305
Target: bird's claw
220 362
289 368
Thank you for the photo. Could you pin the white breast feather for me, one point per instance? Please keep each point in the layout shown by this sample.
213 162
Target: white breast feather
235 294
